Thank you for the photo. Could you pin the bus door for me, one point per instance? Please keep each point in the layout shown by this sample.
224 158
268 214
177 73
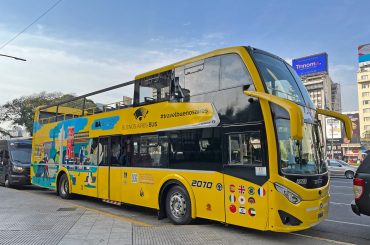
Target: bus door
245 178
115 168
103 167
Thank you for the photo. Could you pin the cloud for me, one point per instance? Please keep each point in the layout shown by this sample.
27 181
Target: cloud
346 76
74 66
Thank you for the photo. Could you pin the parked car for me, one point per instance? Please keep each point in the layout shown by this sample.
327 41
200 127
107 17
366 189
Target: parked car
15 162
341 168
361 188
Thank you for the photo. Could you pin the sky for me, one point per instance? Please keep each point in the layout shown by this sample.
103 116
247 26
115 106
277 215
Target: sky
86 45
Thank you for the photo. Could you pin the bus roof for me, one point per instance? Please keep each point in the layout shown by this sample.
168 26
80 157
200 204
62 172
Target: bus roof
235 49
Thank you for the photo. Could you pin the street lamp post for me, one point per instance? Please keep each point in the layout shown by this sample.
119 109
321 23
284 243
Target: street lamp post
332 139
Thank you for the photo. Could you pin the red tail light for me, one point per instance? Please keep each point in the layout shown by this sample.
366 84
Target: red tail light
358 187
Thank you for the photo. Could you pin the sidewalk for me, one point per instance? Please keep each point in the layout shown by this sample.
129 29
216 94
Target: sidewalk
28 219
43 218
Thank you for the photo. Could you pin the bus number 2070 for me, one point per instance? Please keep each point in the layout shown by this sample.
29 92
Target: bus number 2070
202 184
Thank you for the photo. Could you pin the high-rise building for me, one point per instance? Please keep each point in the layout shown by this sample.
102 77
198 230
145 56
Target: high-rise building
336 97
313 71
363 88
325 94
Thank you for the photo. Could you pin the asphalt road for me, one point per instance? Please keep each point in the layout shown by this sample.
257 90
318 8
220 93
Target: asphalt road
342 226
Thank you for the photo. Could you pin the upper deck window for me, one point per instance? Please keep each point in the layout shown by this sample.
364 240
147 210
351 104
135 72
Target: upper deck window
213 74
203 76
233 72
154 88
278 79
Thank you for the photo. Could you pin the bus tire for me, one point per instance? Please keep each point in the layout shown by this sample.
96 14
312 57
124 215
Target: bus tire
63 187
178 206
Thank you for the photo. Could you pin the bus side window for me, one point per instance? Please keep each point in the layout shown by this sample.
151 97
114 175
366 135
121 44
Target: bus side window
153 89
245 149
233 72
150 151
196 149
202 76
116 152
103 152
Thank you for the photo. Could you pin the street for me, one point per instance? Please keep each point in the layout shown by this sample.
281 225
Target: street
28 216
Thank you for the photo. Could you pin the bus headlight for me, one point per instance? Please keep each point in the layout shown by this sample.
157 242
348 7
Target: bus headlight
290 195
17 169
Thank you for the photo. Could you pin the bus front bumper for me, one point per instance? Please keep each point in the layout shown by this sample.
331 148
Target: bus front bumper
290 217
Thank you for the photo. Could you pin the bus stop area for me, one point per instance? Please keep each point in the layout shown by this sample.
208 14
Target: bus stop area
36 216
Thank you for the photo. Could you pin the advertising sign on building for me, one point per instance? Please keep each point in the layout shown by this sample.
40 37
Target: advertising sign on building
333 129
311 64
364 53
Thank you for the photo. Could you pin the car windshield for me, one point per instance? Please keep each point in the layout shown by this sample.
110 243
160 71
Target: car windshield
21 152
304 157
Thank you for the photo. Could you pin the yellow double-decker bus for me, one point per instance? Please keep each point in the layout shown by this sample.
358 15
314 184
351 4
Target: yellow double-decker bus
230 135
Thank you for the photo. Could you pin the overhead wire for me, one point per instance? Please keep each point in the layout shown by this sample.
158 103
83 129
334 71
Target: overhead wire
33 22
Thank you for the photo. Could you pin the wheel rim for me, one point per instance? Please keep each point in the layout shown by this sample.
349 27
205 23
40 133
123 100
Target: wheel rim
64 187
6 182
178 205
350 175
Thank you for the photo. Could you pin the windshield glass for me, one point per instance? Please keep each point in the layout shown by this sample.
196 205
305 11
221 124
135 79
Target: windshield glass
303 157
278 79
21 152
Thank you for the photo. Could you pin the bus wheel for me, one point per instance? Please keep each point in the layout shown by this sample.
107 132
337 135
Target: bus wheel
178 206
63 187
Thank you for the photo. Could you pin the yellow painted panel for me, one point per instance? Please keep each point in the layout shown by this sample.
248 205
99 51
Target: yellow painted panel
103 176
141 187
115 183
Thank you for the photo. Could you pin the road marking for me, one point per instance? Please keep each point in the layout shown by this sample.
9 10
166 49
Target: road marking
348 223
59 200
322 239
338 193
339 203
341 186
136 222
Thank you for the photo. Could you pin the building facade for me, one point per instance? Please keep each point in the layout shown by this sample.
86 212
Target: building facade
363 88
336 97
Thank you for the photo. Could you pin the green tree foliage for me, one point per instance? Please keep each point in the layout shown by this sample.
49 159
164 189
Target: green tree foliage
20 111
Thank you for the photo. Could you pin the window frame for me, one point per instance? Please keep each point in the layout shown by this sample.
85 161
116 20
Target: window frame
250 133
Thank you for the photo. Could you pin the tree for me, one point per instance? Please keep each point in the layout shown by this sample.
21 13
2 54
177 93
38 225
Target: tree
21 111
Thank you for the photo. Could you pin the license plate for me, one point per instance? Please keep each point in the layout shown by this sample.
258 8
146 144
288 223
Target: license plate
320 215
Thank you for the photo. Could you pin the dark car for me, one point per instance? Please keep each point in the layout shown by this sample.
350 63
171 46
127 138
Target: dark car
361 188
15 162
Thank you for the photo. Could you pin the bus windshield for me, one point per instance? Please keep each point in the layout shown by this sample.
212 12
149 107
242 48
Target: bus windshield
303 157
21 152
281 80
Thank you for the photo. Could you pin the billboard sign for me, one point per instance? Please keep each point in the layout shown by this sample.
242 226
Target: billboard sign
364 53
333 129
311 64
